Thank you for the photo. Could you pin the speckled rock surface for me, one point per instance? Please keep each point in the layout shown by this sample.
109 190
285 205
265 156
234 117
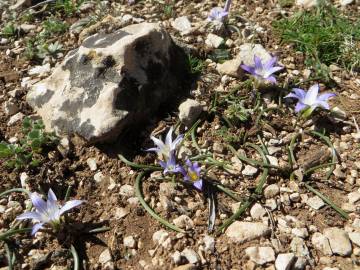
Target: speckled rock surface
110 81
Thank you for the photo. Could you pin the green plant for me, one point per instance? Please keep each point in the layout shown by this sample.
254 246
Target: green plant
169 10
69 7
22 154
53 26
323 35
195 64
236 112
9 30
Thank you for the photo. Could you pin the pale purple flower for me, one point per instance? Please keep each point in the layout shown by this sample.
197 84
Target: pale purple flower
192 174
218 13
48 212
164 149
131 2
263 72
309 101
170 165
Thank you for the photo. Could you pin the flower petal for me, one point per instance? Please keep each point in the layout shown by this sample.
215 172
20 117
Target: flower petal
271 79
36 227
325 96
29 215
257 62
300 106
300 93
198 184
51 195
69 205
176 142
168 138
227 6
273 70
322 104
52 204
269 64
157 142
249 69
292 95
311 95
38 203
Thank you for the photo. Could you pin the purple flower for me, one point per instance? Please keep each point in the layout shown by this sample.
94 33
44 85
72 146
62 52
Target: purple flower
218 13
309 101
48 212
192 174
263 72
170 164
131 2
164 149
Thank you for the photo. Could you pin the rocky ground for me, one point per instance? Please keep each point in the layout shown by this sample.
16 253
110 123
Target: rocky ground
305 216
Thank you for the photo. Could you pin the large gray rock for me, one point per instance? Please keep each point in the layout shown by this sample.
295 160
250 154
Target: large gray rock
110 81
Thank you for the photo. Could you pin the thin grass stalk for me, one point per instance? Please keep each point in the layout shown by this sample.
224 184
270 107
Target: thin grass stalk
75 257
139 166
138 188
328 201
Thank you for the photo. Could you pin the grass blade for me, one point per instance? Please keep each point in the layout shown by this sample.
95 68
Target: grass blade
328 201
139 166
138 184
76 258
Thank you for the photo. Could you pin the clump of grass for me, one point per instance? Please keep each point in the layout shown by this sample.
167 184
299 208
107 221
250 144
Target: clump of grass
23 154
69 7
9 30
323 35
195 64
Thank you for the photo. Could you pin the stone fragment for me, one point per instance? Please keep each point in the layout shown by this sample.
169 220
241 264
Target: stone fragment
184 222
284 261
214 41
300 263
241 232
99 177
354 196
339 241
346 2
91 162
10 107
189 266
126 191
129 241
20 4
257 211
307 3
245 56
260 255
105 260
182 24
300 232
189 111
15 118
190 255
273 160
321 243
162 238
209 243
40 70
271 191
315 202
120 212
249 170
298 246
355 238
110 83
176 256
